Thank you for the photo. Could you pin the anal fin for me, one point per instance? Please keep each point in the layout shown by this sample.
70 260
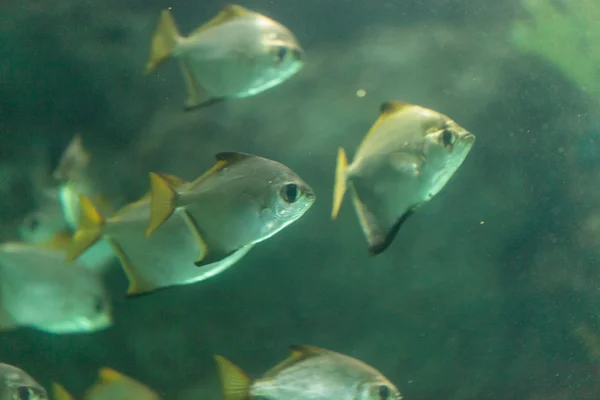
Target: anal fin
135 284
197 98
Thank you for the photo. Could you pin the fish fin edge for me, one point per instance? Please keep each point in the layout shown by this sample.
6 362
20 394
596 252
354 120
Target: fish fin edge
162 202
164 40
235 384
340 185
89 230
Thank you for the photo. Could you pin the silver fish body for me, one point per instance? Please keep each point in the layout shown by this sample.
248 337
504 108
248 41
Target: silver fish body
243 200
310 374
39 290
164 259
407 157
16 384
239 53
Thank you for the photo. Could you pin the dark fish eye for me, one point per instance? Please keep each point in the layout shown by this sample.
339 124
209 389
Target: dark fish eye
24 393
281 53
447 137
99 305
290 192
384 392
33 223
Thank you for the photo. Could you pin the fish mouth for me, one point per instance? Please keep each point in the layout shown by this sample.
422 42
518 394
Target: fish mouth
297 54
468 138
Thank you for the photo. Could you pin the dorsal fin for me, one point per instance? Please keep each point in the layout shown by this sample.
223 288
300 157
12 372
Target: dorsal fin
108 375
299 353
174 181
229 12
232 157
392 106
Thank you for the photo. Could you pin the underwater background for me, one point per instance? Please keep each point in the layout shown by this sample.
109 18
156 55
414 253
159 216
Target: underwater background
491 291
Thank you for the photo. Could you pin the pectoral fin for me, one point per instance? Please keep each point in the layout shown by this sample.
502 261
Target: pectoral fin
406 164
379 225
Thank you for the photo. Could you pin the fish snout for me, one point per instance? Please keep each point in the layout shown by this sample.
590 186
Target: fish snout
468 137
297 53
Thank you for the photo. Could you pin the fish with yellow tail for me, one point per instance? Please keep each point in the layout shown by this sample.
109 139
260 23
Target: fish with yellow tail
310 373
164 260
239 53
406 158
39 290
111 385
242 200
16 384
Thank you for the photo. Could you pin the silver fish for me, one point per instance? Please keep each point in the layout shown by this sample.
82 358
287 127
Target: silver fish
239 53
163 260
39 290
310 373
16 384
407 157
243 200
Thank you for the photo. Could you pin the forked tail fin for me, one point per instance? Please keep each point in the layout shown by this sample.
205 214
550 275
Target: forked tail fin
164 40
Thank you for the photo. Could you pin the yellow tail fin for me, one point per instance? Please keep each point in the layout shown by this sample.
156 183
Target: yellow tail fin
162 202
164 40
340 182
60 393
89 231
234 382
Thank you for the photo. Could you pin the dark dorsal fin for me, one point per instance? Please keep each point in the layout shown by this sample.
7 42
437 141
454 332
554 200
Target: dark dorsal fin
299 353
232 157
392 106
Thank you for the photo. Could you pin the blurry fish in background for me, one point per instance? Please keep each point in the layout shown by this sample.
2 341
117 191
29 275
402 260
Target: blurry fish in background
111 385
16 384
239 53
151 263
407 157
59 211
310 373
39 290
243 200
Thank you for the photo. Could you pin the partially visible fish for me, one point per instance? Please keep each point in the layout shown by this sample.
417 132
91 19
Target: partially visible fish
73 174
407 157
59 210
111 385
239 53
16 384
39 290
310 373
163 260
243 200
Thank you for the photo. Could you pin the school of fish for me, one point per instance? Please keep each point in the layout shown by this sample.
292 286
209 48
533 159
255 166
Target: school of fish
182 232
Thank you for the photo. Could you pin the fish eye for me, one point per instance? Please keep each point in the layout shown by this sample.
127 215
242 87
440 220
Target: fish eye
24 393
290 192
99 305
281 52
384 392
447 138
33 223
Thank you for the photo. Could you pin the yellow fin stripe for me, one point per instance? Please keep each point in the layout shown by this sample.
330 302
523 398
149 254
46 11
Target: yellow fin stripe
340 182
60 393
234 382
162 203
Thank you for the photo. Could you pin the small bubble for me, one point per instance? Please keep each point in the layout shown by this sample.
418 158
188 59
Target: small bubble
481 222
361 93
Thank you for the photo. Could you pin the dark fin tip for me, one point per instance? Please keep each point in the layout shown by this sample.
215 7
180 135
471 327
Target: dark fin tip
203 105
134 296
233 156
392 105
391 235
